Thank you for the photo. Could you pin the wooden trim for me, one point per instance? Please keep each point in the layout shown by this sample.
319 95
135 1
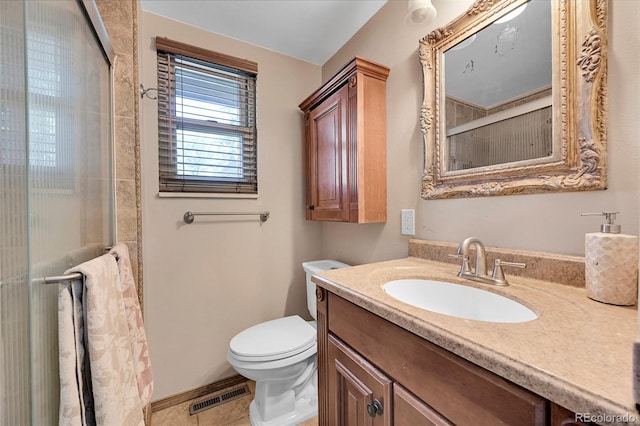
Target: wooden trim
358 64
178 48
179 398
371 150
323 353
409 410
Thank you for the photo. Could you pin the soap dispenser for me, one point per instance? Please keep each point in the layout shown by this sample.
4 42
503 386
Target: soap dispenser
611 263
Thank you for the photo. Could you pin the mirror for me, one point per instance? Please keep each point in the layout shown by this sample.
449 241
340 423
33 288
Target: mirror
515 99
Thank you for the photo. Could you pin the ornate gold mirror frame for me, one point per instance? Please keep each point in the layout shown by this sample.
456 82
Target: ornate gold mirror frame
579 99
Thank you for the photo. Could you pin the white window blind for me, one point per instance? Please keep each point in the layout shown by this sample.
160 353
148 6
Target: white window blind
206 120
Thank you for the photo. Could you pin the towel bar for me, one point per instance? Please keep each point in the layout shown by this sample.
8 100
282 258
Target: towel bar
190 216
59 279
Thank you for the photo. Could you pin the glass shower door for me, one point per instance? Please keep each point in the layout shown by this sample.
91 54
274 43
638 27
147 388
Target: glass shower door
55 187
14 288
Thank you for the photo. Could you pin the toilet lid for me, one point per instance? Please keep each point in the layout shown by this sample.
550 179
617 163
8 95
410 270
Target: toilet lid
274 339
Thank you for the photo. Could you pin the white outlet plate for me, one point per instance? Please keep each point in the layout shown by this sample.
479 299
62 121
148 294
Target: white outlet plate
408 226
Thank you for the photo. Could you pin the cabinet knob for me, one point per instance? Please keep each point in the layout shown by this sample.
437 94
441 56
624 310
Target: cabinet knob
374 408
312 207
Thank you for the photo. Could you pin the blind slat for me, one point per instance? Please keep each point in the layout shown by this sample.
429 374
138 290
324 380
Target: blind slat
206 124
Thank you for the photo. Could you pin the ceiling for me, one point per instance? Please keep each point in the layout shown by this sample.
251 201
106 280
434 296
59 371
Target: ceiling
310 30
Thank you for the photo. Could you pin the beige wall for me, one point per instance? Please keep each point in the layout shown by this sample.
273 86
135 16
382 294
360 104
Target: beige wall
545 222
207 281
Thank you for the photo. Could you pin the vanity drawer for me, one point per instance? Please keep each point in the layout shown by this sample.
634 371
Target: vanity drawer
456 388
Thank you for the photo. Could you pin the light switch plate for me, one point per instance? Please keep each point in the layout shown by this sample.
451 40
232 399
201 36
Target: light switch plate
408 226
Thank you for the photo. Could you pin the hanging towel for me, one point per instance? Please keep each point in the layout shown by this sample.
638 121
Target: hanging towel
107 345
139 348
75 378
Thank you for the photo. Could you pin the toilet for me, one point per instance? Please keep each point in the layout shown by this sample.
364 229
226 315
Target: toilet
280 356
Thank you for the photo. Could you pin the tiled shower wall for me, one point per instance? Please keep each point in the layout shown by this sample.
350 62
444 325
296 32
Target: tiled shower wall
121 21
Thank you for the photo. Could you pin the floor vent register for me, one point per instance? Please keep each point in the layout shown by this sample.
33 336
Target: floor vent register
214 401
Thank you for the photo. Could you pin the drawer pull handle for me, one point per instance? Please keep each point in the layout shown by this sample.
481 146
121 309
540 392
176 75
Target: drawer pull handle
374 408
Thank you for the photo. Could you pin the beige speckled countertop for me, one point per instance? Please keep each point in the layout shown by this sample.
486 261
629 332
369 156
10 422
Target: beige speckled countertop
577 353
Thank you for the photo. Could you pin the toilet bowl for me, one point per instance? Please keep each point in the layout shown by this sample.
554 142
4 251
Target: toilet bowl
280 356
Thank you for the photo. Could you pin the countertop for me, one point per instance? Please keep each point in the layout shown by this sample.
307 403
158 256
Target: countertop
577 353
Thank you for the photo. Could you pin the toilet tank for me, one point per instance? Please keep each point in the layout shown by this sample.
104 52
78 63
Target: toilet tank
314 267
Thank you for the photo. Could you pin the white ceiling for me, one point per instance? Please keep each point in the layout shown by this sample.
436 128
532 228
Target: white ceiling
311 30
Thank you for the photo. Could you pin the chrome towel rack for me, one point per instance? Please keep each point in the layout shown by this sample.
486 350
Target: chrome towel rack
189 217
60 279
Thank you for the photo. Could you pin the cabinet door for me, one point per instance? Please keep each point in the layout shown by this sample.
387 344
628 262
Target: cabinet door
410 411
359 394
561 416
327 157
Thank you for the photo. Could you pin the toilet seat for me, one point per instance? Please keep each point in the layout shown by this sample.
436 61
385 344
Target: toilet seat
273 340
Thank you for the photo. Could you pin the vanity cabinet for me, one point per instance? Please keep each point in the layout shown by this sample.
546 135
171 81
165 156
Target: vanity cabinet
410 411
374 372
560 416
345 146
358 391
360 394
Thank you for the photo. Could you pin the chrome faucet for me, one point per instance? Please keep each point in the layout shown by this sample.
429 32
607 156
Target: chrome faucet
480 273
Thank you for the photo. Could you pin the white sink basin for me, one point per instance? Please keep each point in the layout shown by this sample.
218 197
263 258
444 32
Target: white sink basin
458 301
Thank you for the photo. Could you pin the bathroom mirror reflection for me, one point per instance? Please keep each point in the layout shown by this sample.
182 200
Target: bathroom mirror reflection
497 85
515 99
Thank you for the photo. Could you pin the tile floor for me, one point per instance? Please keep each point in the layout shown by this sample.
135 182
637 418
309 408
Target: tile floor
232 413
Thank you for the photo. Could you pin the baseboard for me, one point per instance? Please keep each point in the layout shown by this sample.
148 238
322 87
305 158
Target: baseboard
179 398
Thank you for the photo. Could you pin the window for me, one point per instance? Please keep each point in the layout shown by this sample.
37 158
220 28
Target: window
206 120
50 130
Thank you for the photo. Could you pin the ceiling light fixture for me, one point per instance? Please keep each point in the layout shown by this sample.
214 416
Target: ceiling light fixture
420 12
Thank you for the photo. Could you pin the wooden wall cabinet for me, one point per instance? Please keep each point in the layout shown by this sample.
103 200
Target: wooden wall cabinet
372 372
345 146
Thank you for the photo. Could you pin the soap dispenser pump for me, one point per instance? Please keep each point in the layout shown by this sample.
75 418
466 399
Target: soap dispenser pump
611 263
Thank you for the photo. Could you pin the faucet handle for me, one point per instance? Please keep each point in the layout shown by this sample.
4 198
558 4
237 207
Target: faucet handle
499 262
466 266
498 273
